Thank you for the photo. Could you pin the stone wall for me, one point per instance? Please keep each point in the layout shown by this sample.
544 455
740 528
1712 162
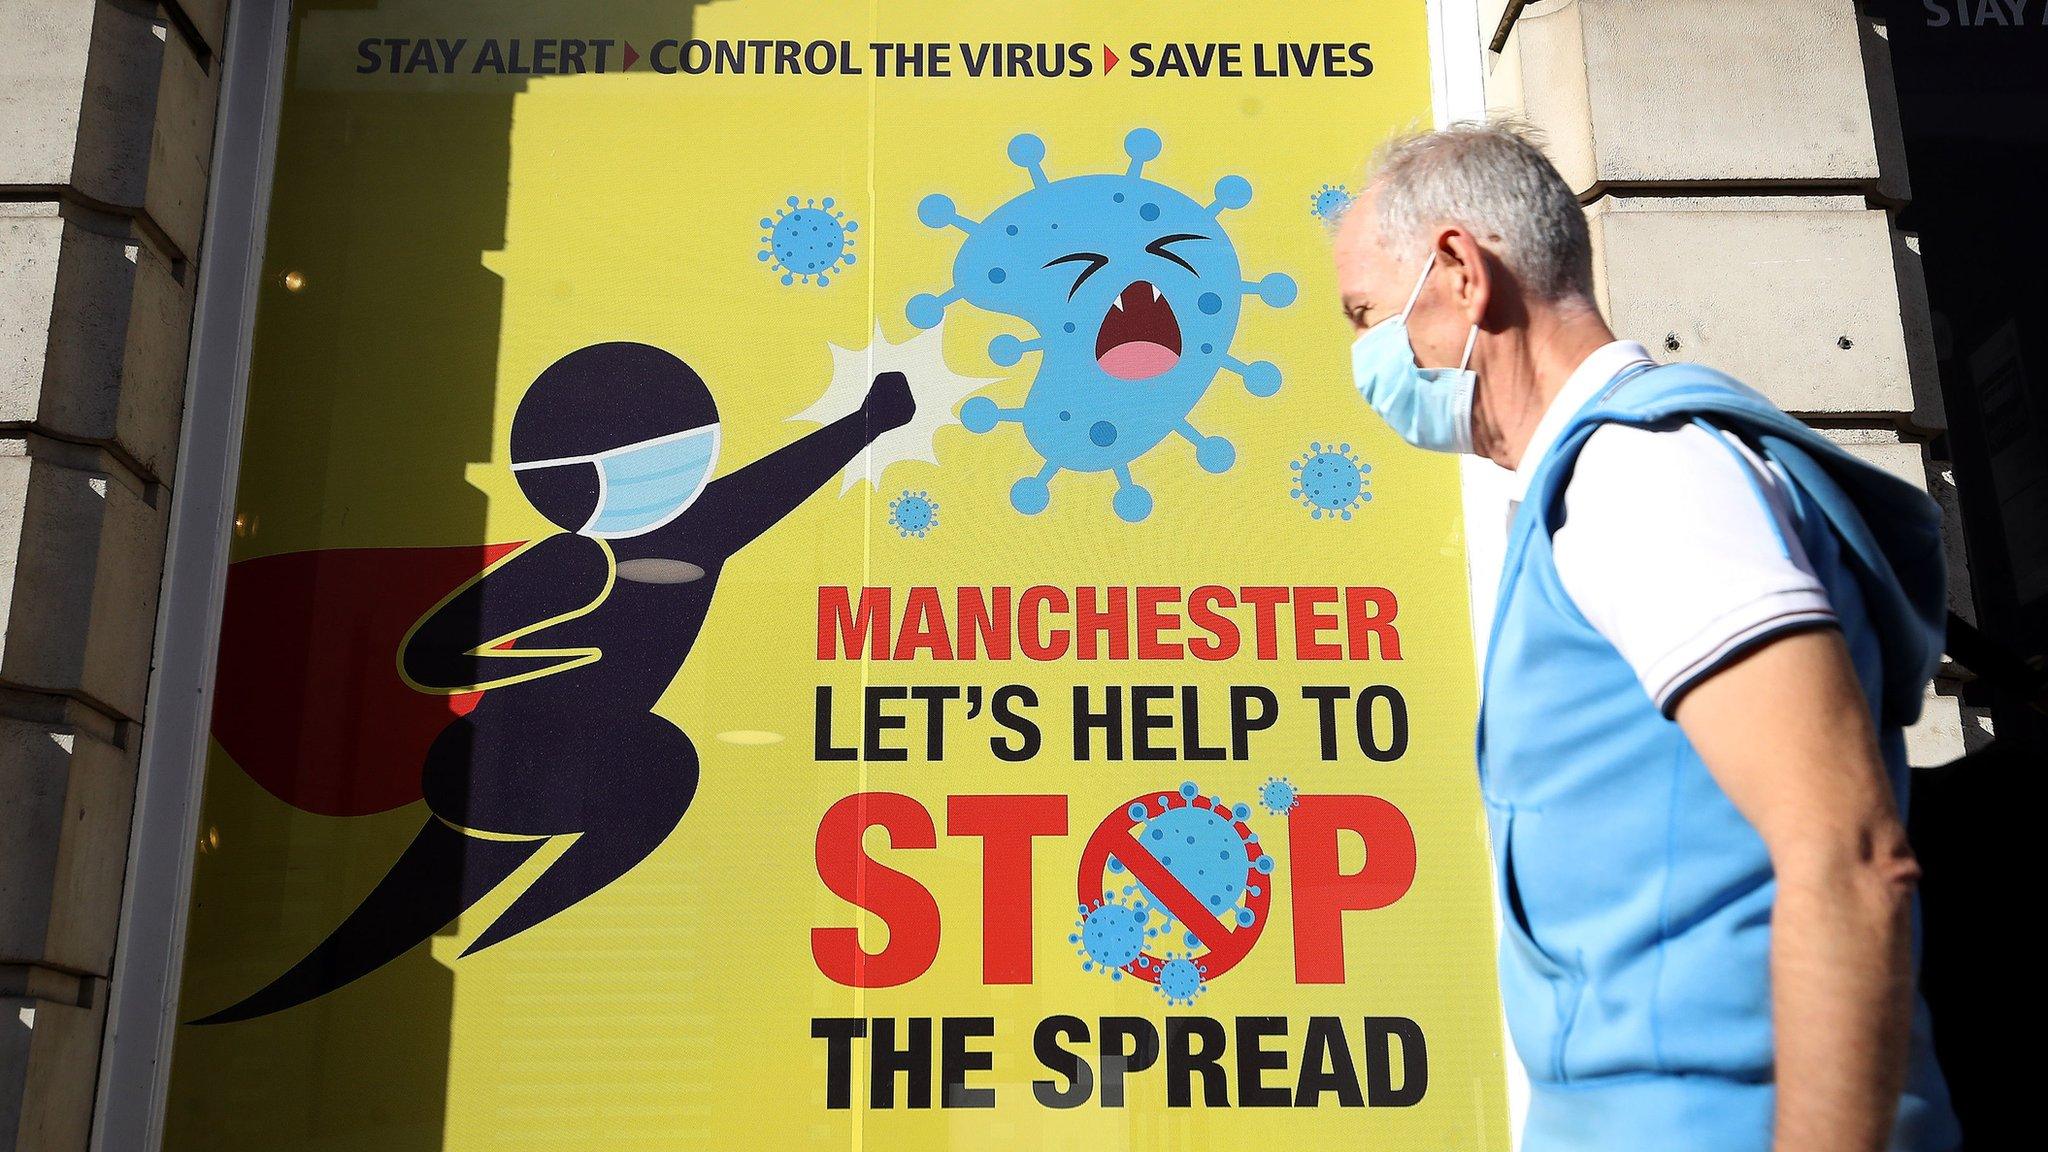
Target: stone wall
1741 167
106 136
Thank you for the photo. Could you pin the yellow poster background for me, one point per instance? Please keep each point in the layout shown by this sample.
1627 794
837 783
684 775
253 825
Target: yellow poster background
448 237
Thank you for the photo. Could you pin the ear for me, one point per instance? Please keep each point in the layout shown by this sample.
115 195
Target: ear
1471 280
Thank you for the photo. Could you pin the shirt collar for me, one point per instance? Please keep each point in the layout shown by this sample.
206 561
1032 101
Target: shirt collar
1602 365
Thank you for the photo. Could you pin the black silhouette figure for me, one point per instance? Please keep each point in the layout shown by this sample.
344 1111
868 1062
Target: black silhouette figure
565 740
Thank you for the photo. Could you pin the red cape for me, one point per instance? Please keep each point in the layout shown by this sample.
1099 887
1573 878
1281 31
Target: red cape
307 698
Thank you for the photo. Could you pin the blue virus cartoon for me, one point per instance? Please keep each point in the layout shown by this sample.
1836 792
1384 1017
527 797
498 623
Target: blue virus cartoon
1209 851
1132 292
806 239
1330 481
1278 796
1328 202
1180 980
1110 936
913 514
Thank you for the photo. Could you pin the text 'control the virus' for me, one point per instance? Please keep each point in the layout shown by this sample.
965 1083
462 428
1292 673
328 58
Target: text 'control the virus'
1132 290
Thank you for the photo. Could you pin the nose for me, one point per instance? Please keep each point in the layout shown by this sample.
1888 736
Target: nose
1103 433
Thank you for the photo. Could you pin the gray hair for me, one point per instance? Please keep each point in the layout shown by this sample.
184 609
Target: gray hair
1489 178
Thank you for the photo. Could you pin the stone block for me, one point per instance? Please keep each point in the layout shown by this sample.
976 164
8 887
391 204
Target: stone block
1962 599
49 1064
1883 448
1695 92
1894 185
1908 461
181 145
1798 299
81 549
108 101
1937 738
63 842
209 18
94 329
1503 81
1916 320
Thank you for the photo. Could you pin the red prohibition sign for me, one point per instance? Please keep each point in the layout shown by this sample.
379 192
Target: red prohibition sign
1113 839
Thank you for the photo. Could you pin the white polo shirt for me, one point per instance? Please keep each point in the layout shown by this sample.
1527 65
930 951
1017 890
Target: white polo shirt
1677 549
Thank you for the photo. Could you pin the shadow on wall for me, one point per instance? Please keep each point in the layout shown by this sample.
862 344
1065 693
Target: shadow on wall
372 391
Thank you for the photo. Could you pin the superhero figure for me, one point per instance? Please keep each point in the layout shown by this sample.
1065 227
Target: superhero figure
574 637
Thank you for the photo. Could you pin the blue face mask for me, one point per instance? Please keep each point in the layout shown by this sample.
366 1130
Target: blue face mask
641 487
1428 407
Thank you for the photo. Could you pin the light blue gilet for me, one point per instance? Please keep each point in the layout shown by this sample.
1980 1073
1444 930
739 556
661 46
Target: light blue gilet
1636 900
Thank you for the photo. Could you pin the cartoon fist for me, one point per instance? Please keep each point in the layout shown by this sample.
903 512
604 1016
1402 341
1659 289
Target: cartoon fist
889 404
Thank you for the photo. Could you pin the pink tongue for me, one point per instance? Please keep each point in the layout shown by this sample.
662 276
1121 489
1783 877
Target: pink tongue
1138 360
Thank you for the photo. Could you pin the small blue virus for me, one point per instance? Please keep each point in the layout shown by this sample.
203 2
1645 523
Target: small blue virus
1111 936
1132 291
1180 980
1278 796
806 239
913 514
1328 202
1330 481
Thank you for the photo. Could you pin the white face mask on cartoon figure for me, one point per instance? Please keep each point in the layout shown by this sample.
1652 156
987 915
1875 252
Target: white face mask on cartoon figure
641 487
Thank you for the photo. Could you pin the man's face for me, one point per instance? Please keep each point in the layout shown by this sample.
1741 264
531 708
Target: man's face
1375 283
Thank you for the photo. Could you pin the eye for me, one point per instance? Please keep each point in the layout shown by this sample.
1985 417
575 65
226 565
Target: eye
1094 260
1161 247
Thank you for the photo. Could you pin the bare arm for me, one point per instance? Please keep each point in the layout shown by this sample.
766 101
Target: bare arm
1787 734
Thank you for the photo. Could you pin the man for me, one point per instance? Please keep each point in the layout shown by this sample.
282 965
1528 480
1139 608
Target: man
1712 626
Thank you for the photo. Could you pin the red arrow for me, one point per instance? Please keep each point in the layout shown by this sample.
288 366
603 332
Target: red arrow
1109 59
631 56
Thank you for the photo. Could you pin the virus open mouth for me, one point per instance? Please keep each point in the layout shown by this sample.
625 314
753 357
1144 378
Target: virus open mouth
1140 337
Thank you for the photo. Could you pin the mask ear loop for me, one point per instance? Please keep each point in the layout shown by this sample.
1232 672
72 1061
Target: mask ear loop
1419 282
1471 338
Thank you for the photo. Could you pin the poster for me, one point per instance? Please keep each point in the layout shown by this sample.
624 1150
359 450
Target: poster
810 575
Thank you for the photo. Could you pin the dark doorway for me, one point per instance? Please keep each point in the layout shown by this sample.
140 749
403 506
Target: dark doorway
1972 80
